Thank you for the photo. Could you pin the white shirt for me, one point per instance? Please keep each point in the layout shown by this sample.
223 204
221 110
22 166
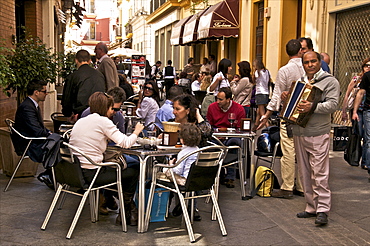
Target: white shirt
148 111
224 82
262 82
195 86
91 134
292 71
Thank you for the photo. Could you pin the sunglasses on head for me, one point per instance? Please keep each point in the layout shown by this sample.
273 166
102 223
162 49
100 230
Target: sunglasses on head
116 109
148 88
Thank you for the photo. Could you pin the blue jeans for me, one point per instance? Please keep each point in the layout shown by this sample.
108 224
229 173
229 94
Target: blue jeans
231 174
366 135
361 133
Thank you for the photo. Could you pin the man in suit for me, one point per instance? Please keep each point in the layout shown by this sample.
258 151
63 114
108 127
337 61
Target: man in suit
28 122
106 66
80 85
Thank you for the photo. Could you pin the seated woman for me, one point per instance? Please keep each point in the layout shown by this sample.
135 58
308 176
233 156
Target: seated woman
91 135
186 110
148 105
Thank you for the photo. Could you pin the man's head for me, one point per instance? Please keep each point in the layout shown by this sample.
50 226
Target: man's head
224 97
293 47
211 57
119 96
325 57
205 60
100 50
169 62
82 57
158 63
306 44
174 91
37 90
116 60
311 61
191 60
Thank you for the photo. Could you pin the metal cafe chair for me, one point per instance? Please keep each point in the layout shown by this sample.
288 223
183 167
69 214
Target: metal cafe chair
203 175
23 155
269 157
68 174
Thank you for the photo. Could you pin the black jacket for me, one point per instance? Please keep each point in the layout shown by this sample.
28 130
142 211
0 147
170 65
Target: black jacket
79 86
29 123
51 150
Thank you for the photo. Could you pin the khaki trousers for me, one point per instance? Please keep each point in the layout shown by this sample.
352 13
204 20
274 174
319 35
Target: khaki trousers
289 170
313 165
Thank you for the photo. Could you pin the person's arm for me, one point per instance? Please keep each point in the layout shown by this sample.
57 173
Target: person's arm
143 108
215 83
330 104
359 96
109 68
112 132
350 87
34 127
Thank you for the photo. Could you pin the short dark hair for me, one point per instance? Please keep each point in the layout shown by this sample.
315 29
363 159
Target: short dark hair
188 102
293 47
190 59
174 91
317 55
35 85
100 102
212 56
169 62
183 75
190 134
308 42
83 56
195 76
102 46
118 94
158 62
227 91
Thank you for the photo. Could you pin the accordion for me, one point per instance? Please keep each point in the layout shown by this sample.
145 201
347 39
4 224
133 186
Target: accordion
300 91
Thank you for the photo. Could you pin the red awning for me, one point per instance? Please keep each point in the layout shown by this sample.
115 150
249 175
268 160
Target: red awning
220 20
191 27
177 31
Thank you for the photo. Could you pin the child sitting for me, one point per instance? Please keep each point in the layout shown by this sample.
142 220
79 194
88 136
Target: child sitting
190 136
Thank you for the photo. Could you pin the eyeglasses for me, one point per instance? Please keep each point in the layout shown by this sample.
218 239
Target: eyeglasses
367 65
312 61
45 91
116 109
148 88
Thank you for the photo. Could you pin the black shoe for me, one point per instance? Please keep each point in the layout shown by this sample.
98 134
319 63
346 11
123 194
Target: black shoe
321 219
298 193
177 211
305 215
197 216
45 178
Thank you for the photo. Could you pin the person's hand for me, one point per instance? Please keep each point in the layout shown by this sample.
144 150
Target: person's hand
284 95
73 118
304 107
138 128
355 116
344 116
263 122
172 161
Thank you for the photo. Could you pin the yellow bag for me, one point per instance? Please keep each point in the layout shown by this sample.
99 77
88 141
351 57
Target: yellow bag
265 181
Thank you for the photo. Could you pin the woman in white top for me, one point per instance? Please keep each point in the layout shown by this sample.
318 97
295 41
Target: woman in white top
261 79
148 105
91 134
220 79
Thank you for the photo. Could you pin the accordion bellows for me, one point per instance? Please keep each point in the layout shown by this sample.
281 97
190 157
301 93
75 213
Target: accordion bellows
300 91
